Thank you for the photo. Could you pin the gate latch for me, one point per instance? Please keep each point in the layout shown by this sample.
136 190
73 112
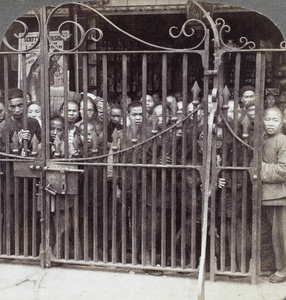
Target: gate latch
50 189
62 180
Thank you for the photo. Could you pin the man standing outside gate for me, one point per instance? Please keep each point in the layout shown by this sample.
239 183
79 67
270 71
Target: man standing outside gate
273 176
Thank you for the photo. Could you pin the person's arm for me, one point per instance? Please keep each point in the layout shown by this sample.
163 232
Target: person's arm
275 172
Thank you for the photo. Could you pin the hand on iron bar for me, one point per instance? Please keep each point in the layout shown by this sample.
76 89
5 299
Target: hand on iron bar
168 160
221 183
24 135
24 153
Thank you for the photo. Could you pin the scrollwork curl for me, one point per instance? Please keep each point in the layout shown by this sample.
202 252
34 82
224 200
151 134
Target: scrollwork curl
244 40
226 28
83 34
283 45
184 32
22 35
92 32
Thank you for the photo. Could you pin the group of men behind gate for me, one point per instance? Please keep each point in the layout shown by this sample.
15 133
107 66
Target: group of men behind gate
97 131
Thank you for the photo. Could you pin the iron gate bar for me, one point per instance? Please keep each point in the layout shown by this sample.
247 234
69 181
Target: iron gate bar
184 161
194 195
260 142
123 173
134 209
144 161
163 172
16 221
85 154
34 218
206 186
95 216
105 195
154 194
174 201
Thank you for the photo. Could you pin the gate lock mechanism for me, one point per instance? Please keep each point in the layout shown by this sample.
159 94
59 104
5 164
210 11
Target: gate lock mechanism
62 181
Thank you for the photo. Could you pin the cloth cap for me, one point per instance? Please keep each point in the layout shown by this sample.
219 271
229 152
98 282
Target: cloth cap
15 93
246 88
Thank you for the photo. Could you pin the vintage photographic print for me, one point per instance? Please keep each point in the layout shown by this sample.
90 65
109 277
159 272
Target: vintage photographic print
144 137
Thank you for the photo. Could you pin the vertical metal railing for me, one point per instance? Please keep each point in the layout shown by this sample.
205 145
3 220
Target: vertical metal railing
144 226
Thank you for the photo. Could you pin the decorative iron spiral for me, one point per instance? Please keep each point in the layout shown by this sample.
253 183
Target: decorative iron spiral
23 34
226 28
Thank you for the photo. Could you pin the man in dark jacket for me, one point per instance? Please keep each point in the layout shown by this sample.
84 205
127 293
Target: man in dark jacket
14 126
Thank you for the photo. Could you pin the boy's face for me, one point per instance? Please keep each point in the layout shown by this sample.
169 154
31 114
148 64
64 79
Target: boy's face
34 111
56 128
270 101
272 121
116 115
16 107
89 112
248 98
99 131
159 112
90 131
100 111
72 112
135 115
2 112
149 103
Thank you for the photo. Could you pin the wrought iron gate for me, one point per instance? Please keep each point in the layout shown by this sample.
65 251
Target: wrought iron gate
144 198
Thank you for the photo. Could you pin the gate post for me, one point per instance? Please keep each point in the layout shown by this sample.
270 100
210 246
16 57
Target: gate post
44 78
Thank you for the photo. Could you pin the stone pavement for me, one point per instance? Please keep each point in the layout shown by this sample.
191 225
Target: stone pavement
30 282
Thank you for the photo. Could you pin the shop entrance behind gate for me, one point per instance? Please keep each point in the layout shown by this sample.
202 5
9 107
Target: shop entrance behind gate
141 194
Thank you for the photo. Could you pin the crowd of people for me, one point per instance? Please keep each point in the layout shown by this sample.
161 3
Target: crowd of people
138 131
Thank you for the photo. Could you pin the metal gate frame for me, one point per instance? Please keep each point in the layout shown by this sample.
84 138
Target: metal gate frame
218 48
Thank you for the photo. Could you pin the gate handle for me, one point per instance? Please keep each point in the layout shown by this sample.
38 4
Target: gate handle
50 190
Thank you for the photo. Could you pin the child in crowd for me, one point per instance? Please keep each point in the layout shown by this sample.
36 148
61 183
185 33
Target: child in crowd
90 140
273 176
57 129
270 101
91 111
116 115
34 111
150 102
73 115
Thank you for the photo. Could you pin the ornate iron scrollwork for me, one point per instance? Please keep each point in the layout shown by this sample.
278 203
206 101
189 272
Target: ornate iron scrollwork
99 32
91 32
226 28
184 32
23 35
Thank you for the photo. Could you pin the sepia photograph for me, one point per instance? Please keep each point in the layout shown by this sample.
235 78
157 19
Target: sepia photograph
143 151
